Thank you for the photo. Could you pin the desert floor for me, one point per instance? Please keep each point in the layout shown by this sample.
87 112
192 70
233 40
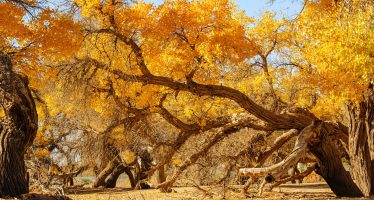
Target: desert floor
287 191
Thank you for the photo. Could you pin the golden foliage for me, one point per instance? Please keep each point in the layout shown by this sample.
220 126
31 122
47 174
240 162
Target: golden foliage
128 156
37 41
330 44
42 153
336 45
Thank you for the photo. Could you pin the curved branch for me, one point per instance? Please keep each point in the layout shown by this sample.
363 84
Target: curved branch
278 121
176 122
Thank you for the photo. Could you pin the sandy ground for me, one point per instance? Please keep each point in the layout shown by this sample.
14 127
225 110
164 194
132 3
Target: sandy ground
305 191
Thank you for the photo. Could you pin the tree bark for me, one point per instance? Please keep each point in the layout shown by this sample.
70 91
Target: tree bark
17 129
330 167
361 143
278 143
317 139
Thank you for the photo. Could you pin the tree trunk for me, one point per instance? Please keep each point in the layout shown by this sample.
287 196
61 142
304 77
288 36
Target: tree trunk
71 181
142 173
361 143
100 180
330 167
131 177
112 179
17 129
161 174
318 139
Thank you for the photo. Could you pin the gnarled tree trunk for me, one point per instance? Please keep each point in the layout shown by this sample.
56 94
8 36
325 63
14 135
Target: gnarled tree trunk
330 167
17 129
360 180
317 138
361 143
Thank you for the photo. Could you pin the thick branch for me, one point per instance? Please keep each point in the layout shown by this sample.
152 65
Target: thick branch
277 121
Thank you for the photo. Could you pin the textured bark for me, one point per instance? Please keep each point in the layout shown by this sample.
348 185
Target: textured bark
330 167
105 157
110 158
17 129
361 143
278 171
112 154
316 138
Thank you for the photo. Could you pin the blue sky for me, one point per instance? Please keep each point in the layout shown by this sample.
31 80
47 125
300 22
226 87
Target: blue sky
254 8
